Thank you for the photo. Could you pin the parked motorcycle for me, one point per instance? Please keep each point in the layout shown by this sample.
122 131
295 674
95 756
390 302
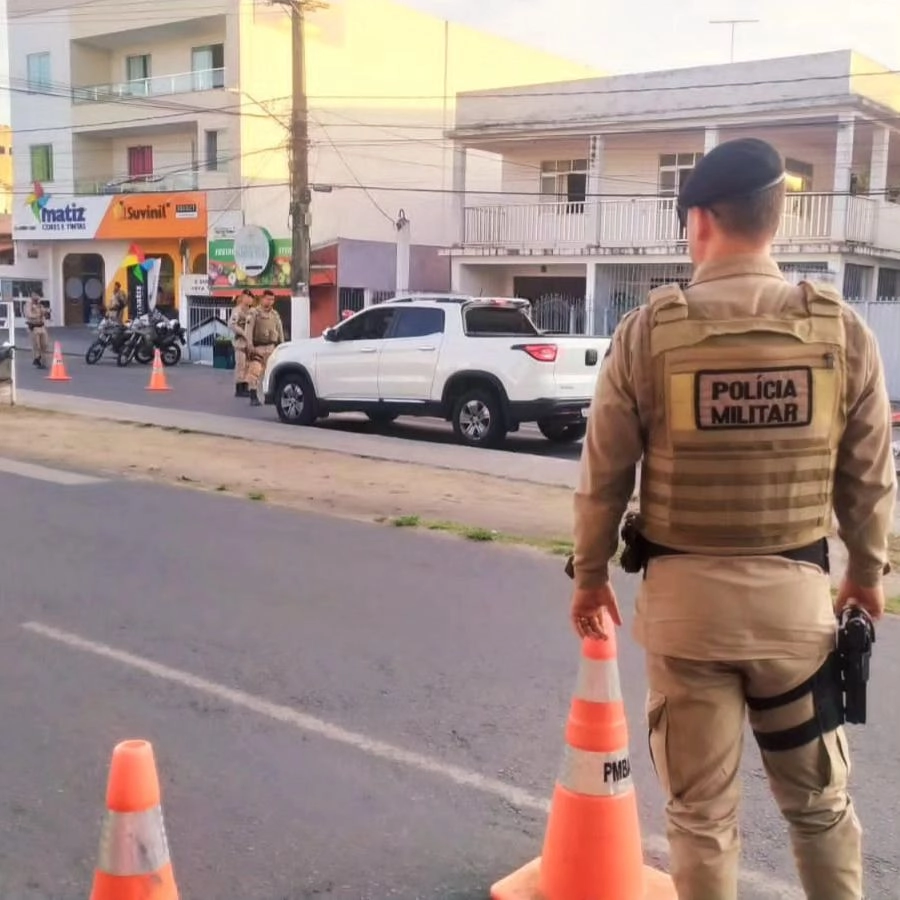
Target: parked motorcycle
150 332
110 334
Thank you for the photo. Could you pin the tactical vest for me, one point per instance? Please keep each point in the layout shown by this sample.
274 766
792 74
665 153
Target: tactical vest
741 454
265 327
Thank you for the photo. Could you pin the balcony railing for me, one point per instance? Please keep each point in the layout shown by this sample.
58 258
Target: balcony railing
157 86
147 184
651 222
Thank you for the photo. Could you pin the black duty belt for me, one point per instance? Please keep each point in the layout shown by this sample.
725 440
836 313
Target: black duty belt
268 344
815 553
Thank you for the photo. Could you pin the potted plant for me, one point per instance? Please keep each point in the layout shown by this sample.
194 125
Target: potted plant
223 353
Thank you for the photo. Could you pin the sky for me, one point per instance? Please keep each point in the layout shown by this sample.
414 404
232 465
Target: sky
619 36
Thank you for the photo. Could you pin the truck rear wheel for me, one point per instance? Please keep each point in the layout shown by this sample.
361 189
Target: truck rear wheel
562 431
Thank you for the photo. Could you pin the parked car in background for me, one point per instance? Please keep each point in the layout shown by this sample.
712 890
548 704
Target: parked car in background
478 362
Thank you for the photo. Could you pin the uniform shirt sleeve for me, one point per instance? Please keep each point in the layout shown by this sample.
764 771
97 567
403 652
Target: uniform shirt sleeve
280 330
612 448
865 483
235 326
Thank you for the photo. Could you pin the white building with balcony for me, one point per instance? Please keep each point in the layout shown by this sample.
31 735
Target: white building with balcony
165 125
585 223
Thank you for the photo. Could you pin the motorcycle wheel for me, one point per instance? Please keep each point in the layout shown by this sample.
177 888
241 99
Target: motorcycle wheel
124 356
94 352
143 354
171 355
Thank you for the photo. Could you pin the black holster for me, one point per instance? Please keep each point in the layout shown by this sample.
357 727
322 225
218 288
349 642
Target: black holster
856 634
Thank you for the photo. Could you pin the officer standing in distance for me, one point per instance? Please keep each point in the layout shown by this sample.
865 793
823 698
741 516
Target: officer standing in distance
754 406
264 332
238 324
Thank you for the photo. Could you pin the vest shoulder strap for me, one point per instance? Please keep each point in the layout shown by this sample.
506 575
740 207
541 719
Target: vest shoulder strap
823 299
667 304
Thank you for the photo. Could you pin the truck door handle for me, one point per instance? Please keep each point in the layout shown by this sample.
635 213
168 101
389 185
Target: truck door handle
367 350
427 349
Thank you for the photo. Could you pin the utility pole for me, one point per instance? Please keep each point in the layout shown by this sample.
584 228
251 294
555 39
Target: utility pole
733 23
300 191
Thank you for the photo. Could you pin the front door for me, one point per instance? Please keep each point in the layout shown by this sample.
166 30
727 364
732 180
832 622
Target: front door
84 278
347 368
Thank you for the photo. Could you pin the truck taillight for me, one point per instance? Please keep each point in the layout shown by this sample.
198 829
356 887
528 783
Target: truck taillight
541 352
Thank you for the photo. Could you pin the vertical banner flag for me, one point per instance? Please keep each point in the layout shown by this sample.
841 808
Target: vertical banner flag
141 292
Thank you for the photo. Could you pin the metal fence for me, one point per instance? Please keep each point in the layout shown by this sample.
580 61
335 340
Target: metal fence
559 313
207 320
883 317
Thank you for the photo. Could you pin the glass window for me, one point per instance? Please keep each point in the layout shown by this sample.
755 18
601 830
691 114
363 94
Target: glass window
412 323
371 325
208 67
137 74
41 162
38 71
213 159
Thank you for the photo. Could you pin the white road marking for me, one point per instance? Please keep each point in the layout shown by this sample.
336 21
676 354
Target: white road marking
513 795
42 473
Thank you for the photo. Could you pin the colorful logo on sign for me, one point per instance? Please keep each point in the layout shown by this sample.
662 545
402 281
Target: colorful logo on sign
37 200
70 217
137 263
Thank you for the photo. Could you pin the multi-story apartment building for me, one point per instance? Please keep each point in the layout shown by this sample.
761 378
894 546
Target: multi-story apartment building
586 224
160 123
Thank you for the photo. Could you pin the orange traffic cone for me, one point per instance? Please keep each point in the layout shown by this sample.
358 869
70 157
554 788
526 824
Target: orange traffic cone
592 846
134 859
58 368
158 375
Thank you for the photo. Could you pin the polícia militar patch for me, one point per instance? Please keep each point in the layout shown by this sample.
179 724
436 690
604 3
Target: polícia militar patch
753 398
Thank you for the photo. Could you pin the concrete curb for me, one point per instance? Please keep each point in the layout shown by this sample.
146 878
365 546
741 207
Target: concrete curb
494 463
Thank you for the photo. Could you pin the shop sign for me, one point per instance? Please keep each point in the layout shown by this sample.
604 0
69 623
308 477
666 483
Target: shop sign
227 275
45 216
252 250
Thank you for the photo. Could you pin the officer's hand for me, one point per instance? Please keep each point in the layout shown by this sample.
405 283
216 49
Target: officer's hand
867 598
588 605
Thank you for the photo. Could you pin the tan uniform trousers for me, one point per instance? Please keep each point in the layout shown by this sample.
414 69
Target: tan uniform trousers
40 344
691 620
256 365
240 363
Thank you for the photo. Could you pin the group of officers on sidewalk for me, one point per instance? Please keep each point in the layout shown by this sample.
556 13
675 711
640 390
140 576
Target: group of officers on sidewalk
257 330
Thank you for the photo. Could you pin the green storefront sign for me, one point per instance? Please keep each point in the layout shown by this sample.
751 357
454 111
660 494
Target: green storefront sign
226 276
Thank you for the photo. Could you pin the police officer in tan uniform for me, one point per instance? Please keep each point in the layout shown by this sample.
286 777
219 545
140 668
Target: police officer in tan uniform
36 315
755 407
117 305
238 324
264 333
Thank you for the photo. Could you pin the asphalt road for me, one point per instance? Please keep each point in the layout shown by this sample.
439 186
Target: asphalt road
204 389
456 657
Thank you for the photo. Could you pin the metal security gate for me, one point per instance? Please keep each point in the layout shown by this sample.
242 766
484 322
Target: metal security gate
559 313
883 317
207 320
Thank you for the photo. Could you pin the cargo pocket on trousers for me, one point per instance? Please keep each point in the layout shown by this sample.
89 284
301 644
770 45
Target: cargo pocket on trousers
658 734
837 759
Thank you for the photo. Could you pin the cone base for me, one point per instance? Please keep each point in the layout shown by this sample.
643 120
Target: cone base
524 884
158 886
59 378
157 389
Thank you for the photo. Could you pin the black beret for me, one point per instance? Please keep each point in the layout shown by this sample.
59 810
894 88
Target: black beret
732 171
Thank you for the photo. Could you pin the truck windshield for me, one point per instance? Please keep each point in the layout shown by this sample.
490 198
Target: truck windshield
497 320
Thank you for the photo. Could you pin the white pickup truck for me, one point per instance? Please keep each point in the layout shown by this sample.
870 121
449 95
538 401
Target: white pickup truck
480 363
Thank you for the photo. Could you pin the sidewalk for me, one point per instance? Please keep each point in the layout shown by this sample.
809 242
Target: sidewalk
511 466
